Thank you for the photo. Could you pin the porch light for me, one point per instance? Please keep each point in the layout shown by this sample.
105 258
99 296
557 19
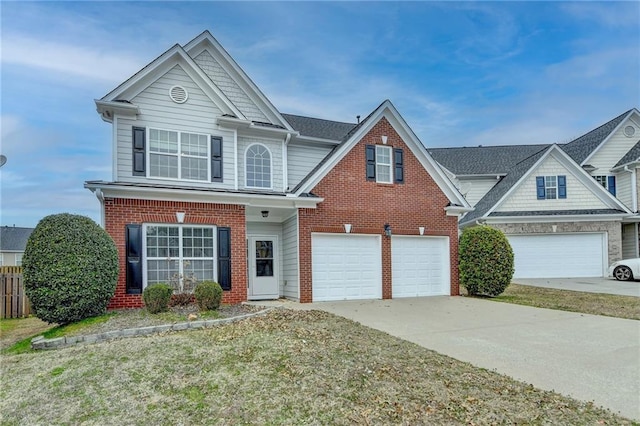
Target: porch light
387 229
265 213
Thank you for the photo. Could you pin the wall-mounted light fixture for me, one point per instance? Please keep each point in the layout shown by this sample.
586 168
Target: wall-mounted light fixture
421 230
387 229
347 228
265 213
180 217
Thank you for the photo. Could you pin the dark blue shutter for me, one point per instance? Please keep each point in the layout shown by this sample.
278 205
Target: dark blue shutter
139 154
540 187
398 161
133 254
611 183
216 159
562 187
224 258
371 162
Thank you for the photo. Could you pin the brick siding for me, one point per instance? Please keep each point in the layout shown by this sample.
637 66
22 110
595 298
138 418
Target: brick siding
350 198
120 212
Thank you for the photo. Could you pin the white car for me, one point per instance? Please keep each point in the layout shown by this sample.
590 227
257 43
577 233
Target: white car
625 270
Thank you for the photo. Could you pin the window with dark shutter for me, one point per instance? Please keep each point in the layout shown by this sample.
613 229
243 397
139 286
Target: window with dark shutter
398 161
139 154
371 162
611 185
562 187
540 187
216 159
224 258
133 244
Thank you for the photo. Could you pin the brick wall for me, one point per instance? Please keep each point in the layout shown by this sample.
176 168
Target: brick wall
350 198
120 212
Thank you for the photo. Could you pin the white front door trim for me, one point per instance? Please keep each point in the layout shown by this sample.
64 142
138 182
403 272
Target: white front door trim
264 278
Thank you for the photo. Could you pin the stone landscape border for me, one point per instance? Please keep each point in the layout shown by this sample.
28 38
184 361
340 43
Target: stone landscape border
39 342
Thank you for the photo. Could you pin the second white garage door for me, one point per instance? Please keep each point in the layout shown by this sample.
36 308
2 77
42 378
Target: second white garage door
346 267
558 255
420 266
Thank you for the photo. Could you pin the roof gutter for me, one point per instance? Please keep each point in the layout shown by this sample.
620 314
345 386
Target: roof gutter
457 210
108 109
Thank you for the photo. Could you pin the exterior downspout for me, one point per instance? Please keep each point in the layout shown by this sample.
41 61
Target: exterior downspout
285 166
100 197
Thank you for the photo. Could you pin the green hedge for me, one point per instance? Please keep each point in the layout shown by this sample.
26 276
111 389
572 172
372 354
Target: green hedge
156 297
208 295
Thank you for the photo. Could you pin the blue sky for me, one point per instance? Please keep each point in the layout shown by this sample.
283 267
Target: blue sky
461 74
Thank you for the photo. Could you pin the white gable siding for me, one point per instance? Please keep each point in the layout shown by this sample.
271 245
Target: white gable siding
290 272
275 147
157 110
229 87
524 197
302 159
474 189
629 241
623 189
610 153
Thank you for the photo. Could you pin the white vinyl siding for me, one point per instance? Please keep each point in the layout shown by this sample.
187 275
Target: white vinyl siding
275 149
474 189
524 198
610 153
290 268
624 189
229 87
301 160
197 115
629 241
559 255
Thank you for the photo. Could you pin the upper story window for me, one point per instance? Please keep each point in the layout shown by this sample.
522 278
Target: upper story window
551 187
608 182
19 259
258 166
176 155
385 164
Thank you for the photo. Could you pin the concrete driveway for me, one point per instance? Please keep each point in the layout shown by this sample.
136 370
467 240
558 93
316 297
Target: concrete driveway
591 285
588 357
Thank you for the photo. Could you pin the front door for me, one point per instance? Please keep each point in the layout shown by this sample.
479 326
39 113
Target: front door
263 268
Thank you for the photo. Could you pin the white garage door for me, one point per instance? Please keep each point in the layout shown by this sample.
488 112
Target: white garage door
420 266
558 255
346 267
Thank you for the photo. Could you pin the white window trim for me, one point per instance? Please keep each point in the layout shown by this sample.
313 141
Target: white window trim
18 259
246 185
178 155
547 187
606 180
180 226
390 164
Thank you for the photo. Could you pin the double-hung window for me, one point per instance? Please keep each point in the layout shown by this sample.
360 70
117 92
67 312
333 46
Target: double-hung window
383 164
551 187
608 182
180 255
178 155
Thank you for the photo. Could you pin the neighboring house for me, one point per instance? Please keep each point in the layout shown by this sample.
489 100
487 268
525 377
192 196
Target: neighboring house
211 180
569 210
13 241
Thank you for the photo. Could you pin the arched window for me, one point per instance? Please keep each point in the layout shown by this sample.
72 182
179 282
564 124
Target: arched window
258 167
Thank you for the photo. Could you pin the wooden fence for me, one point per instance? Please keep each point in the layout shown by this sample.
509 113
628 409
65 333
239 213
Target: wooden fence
13 301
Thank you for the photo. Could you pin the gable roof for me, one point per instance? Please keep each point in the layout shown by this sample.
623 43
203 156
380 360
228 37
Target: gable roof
632 156
516 175
388 111
582 148
14 238
483 160
319 128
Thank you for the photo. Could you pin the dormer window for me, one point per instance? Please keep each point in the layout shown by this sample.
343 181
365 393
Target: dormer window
258 167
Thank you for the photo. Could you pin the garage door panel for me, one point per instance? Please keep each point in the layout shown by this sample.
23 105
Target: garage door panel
346 267
420 266
558 255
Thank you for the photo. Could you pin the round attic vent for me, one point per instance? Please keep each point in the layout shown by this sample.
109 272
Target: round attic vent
178 94
629 131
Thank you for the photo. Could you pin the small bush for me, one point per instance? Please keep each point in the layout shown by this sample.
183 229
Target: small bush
486 261
156 297
208 295
70 268
181 299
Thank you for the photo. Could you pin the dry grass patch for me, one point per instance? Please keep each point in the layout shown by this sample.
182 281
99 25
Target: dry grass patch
574 301
287 367
16 329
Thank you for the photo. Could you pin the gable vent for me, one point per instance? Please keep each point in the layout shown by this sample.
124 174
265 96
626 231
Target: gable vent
178 94
629 131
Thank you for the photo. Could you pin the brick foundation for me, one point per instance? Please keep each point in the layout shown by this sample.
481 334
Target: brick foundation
120 212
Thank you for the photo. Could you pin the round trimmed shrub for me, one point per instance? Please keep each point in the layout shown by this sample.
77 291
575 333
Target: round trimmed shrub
70 268
486 261
156 297
208 295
